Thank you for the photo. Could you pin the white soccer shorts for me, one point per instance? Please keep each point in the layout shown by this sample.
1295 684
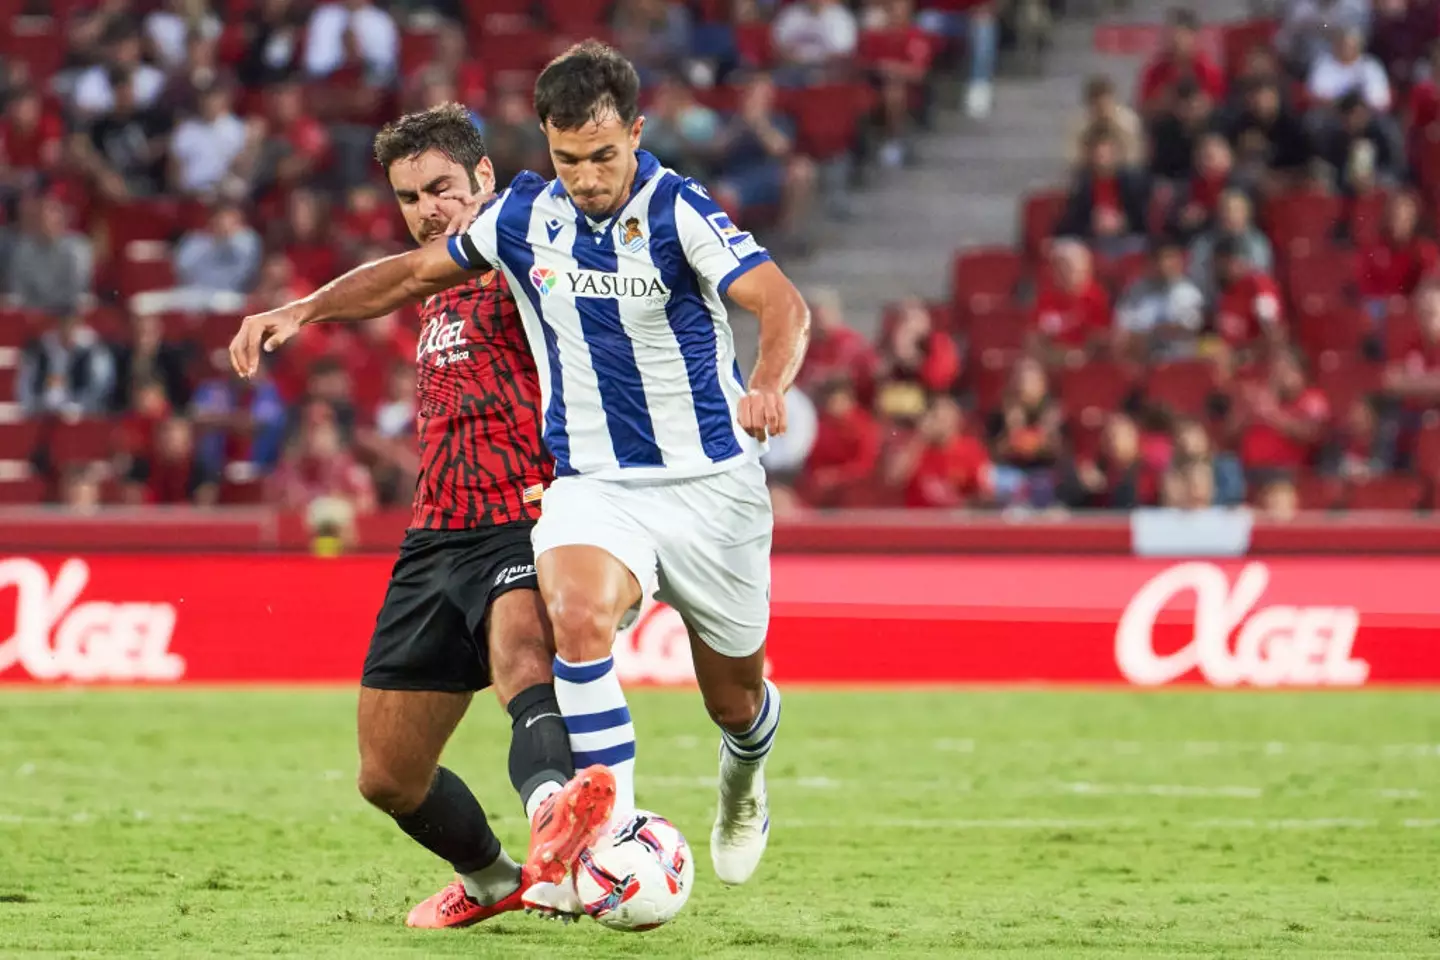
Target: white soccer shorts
702 544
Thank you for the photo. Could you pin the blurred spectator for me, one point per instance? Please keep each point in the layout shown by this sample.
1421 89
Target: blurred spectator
329 388
1362 448
174 474
977 22
761 167
1235 221
950 467
125 151
200 71
789 451
369 219
30 140
1362 148
1025 437
171 29
836 350
1394 266
296 145
389 442
1194 452
68 370
453 62
1268 136
785 502
898 55
683 133
222 258
513 138
241 420
916 360
846 450
352 33
1279 500
274 30
1162 314
1347 69
1305 34
1175 131
1400 33
654 34
1189 486
1248 306
1179 60
80 487
1413 374
1279 421
51 266
94 93
1072 309
150 358
813 35
308 246
1103 110
1116 479
215 151
317 465
1196 204
1108 202
277 285
90 27
330 521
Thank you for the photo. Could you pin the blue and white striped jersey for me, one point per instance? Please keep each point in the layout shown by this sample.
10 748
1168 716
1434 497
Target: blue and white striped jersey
638 375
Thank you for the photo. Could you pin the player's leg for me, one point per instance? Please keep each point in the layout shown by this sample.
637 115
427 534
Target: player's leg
402 733
719 581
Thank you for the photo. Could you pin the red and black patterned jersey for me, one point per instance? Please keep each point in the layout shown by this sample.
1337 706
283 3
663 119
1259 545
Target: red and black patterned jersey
482 461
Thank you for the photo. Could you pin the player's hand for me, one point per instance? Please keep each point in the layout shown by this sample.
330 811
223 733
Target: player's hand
762 413
469 210
262 332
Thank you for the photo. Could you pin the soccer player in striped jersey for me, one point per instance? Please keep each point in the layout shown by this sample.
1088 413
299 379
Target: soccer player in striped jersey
619 267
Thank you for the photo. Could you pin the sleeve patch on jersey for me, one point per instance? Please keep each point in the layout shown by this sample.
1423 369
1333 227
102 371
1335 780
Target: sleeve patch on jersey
692 185
739 242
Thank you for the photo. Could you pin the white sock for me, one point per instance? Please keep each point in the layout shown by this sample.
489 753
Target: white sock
598 721
494 883
539 795
752 746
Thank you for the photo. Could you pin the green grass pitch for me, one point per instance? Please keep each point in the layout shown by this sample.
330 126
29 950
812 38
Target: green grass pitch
207 823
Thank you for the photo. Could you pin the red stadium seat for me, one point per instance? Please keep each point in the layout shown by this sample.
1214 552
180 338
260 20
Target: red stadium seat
1039 214
516 53
827 118
1004 330
83 441
156 219
1301 223
1182 387
19 440
1322 280
1316 492
988 378
575 15
1238 39
1387 493
1427 452
1401 330
139 276
1089 392
23 491
985 279
1366 217
753 42
417 50
1342 329
236 493
1345 379
9 376
38 42
17 327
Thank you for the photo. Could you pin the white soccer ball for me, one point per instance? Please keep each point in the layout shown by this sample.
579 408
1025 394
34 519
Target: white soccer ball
638 875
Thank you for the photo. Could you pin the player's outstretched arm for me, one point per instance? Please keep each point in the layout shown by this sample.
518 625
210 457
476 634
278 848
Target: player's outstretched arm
370 290
784 333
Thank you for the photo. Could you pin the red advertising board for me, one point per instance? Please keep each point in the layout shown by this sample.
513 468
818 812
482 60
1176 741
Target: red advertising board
1289 621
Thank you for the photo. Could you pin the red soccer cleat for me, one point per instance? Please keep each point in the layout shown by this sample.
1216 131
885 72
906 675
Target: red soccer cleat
569 821
453 907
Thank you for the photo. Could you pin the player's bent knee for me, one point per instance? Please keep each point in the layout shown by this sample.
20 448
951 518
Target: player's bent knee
389 793
584 625
736 708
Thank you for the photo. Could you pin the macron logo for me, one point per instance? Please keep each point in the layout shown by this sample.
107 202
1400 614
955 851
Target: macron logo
553 228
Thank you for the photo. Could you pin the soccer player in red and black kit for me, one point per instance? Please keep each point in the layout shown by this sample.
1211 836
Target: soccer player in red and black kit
463 610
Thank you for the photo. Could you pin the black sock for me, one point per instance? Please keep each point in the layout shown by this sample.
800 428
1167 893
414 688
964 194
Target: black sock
450 824
539 742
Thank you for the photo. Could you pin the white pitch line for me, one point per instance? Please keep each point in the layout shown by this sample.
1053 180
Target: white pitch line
1108 823
1086 788
1081 788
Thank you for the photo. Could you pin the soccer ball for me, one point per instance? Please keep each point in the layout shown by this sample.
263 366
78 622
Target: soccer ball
637 875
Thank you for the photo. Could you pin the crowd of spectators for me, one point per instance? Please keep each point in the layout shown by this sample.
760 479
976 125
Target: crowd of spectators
168 165
1235 299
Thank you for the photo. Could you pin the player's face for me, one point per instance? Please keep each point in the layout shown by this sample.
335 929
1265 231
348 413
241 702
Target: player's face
432 190
596 163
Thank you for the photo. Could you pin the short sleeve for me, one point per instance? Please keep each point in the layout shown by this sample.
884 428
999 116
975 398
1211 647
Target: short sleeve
477 248
714 246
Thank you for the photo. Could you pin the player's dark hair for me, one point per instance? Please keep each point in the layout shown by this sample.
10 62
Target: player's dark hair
585 84
1184 18
446 128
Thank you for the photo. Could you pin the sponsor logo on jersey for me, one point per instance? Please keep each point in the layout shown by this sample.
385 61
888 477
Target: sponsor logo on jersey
594 283
533 493
442 342
543 278
1277 645
631 236
740 243
56 637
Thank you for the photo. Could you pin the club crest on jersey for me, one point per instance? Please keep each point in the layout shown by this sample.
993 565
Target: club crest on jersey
631 236
543 278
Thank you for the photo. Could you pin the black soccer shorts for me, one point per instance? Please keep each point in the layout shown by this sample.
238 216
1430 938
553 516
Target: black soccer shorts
430 633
